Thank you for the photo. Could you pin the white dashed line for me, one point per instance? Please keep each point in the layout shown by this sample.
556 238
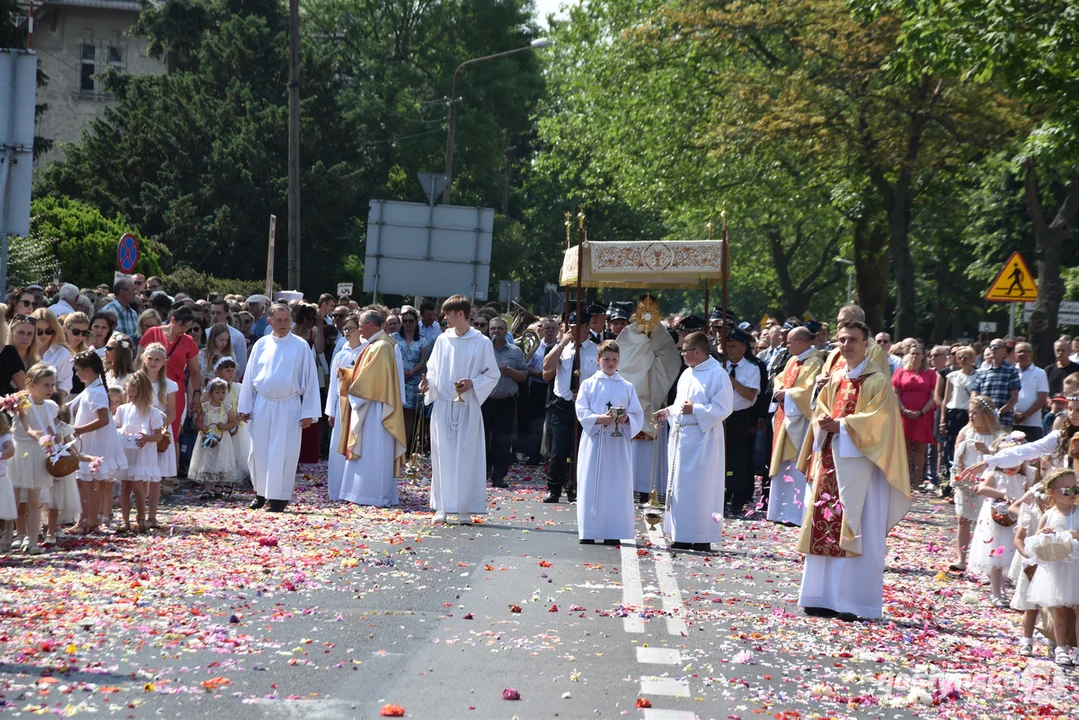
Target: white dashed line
652 685
632 592
659 656
668 586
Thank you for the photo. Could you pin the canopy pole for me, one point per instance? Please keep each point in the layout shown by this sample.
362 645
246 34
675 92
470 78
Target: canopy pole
565 291
707 309
723 271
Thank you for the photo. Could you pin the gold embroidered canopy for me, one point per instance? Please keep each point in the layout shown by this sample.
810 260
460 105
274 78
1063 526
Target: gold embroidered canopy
673 264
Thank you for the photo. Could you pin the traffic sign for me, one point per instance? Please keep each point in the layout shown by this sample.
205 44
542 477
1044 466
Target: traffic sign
344 288
127 253
987 326
1068 314
1014 283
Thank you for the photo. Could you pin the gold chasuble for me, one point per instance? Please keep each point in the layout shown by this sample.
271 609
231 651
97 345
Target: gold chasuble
374 378
798 381
838 485
877 358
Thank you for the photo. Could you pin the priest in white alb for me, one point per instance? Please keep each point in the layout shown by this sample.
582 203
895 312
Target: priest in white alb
860 485
279 397
610 415
461 372
374 442
705 397
341 365
794 398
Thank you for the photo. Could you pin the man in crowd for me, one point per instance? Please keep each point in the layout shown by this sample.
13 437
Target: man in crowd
884 340
1062 366
617 319
65 304
372 419
998 381
122 306
566 367
597 327
500 408
154 284
219 315
256 305
1033 393
835 361
538 390
794 399
461 373
695 491
860 489
279 397
429 327
745 379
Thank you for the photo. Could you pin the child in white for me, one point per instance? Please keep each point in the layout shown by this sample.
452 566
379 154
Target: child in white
33 420
94 427
9 508
141 426
993 544
1055 586
225 368
153 364
212 462
971 445
604 459
1029 511
64 501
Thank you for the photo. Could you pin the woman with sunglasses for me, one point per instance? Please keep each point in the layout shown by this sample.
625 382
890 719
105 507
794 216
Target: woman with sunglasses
77 332
20 301
52 348
12 371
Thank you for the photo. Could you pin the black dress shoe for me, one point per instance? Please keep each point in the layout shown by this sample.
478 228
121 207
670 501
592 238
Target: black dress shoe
846 617
586 541
571 498
642 498
609 541
681 546
257 503
277 506
819 612
551 498
499 483
702 547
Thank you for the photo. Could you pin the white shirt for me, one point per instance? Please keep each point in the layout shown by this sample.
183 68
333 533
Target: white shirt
430 332
589 365
895 363
748 375
60 358
1032 381
61 308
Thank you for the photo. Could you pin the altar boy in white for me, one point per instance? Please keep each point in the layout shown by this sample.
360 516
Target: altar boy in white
604 459
461 372
279 397
705 397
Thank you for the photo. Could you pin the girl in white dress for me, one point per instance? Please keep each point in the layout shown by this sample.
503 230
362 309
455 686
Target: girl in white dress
225 369
993 544
1056 584
971 445
64 504
212 462
604 459
119 361
1028 509
141 426
34 419
9 508
153 364
94 427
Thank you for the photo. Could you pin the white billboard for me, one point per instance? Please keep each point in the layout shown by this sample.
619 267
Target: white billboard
416 249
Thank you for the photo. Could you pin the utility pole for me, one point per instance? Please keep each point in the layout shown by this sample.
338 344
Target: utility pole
294 146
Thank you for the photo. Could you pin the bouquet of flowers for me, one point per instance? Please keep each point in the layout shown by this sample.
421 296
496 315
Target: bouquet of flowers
15 402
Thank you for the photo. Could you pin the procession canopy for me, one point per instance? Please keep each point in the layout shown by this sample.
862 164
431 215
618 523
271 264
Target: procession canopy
672 264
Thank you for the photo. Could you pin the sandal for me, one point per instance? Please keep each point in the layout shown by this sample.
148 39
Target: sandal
957 567
206 495
218 494
1061 656
124 529
153 524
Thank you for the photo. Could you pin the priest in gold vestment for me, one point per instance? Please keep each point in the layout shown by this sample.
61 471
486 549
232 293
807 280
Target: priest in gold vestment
372 420
856 462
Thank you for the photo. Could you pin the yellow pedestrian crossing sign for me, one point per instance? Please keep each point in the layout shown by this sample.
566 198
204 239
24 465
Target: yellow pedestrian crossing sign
1014 283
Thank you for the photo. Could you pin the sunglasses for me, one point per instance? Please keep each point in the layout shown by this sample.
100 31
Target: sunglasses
1069 491
25 319
408 321
479 324
46 331
78 333
27 303
339 315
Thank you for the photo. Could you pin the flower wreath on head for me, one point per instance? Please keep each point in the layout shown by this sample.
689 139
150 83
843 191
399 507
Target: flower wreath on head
220 362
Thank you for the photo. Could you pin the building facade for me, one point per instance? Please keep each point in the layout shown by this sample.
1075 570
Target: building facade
77 41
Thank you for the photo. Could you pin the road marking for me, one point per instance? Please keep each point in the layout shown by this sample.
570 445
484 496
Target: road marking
668 586
653 714
659 656
632 592
652 685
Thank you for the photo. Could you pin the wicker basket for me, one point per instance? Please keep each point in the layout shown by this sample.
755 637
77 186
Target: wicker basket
66 465
1001 515
1051 547
165 441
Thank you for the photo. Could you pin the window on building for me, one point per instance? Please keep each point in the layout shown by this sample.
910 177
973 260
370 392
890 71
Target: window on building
87 68
116 58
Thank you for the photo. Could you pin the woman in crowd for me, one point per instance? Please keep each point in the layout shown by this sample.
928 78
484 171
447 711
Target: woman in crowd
20 302
955 397
12 371
52 348
181 361
101 327
147 320
414 351
914 383
77 332
22 334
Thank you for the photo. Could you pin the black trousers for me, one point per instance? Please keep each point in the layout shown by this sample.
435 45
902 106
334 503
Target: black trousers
498 417
739 487
529 441
955 419
561 420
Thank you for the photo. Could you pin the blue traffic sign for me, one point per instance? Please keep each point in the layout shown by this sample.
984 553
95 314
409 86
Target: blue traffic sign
127 253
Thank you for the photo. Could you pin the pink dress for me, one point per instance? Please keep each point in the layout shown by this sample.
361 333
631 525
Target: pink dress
914 390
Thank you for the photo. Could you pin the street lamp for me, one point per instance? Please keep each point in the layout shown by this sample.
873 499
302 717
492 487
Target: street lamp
537 44
850 273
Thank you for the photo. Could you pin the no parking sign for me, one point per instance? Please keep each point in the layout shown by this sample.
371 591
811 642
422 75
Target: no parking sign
127 253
